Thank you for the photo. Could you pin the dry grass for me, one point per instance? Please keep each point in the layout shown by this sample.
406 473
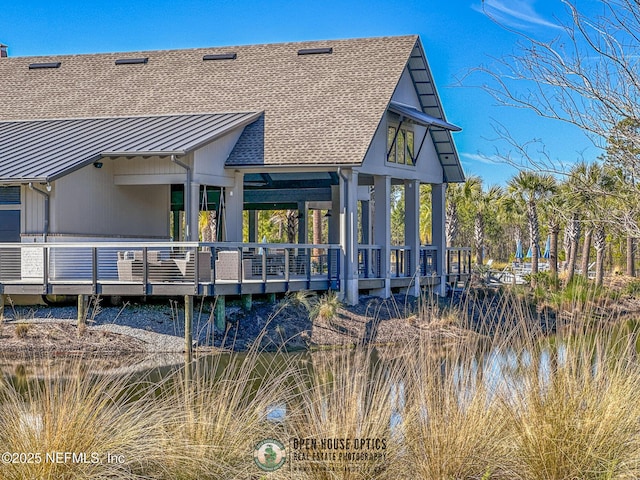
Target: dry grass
83 415
515 405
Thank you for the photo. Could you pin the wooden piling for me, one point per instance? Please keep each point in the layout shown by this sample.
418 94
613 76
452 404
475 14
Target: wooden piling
1 307
247 301
219 314
188 324
82 310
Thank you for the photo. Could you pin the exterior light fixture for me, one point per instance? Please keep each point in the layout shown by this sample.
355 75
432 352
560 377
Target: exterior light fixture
97 164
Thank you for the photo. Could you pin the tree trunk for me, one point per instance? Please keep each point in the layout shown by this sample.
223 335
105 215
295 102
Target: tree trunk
554 230
574 236
208 231
586 252
451 224
631 256
534 235
317 230
478 234
600 243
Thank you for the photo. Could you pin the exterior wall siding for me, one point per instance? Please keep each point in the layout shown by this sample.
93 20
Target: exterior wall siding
427 168
87 202
209 160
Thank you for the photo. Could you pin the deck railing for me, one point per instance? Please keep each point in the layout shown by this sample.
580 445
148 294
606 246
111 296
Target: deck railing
370 266
458 261
180 263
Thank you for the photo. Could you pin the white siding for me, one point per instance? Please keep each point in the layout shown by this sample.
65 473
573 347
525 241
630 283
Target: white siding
87 202
144 166
209 161
427 168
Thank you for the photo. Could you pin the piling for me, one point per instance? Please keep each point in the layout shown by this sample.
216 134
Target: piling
82 310
188 324
247 301
219 314
188 340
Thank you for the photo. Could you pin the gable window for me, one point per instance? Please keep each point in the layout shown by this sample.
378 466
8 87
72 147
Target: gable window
400 145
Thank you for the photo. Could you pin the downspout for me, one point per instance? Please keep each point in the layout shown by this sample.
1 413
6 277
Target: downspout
187 196
46 209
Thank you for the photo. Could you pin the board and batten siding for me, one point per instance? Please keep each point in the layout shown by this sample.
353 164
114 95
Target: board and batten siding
87 202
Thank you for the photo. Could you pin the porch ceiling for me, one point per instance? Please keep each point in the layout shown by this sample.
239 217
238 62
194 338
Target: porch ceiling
44 150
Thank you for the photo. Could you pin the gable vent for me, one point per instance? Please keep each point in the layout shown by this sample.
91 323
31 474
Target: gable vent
220 56
33 66
131 61
315 51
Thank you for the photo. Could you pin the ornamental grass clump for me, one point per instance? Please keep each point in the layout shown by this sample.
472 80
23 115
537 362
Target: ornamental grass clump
574 413
216 419
80 427
345 417
453 425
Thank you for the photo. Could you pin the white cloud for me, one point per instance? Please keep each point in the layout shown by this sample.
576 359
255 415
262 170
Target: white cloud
514 13
476 157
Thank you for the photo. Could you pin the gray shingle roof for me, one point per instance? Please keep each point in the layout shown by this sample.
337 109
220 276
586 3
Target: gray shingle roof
318 109
43 150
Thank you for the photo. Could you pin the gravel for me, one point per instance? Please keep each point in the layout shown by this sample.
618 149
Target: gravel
159 325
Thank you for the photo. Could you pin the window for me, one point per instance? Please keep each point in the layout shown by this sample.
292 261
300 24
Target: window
9 195
391 135
400 146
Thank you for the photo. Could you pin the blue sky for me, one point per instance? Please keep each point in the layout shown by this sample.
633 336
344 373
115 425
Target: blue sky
456 34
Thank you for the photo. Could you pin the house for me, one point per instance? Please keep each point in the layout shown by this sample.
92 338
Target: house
100 147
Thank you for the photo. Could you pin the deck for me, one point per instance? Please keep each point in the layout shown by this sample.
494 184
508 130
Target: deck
207 269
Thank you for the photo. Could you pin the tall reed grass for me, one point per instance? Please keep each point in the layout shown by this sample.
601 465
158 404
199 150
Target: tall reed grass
508 402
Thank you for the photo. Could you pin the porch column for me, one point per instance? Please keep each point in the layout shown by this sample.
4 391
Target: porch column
334 219
437 232
253 226
303 223
233 204
365 221
412 232
349 235
382 229
193 223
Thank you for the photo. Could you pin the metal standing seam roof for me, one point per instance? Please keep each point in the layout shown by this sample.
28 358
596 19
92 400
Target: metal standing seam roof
44 150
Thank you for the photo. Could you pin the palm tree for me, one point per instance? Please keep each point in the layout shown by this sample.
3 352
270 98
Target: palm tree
530 189
458 194
591 187
483 203
555 208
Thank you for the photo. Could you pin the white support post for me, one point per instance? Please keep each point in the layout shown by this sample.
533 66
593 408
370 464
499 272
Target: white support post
349 235
382 229
412 232
438 209
234 203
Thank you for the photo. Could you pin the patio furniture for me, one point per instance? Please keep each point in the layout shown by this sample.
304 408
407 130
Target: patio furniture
131 267
227 265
